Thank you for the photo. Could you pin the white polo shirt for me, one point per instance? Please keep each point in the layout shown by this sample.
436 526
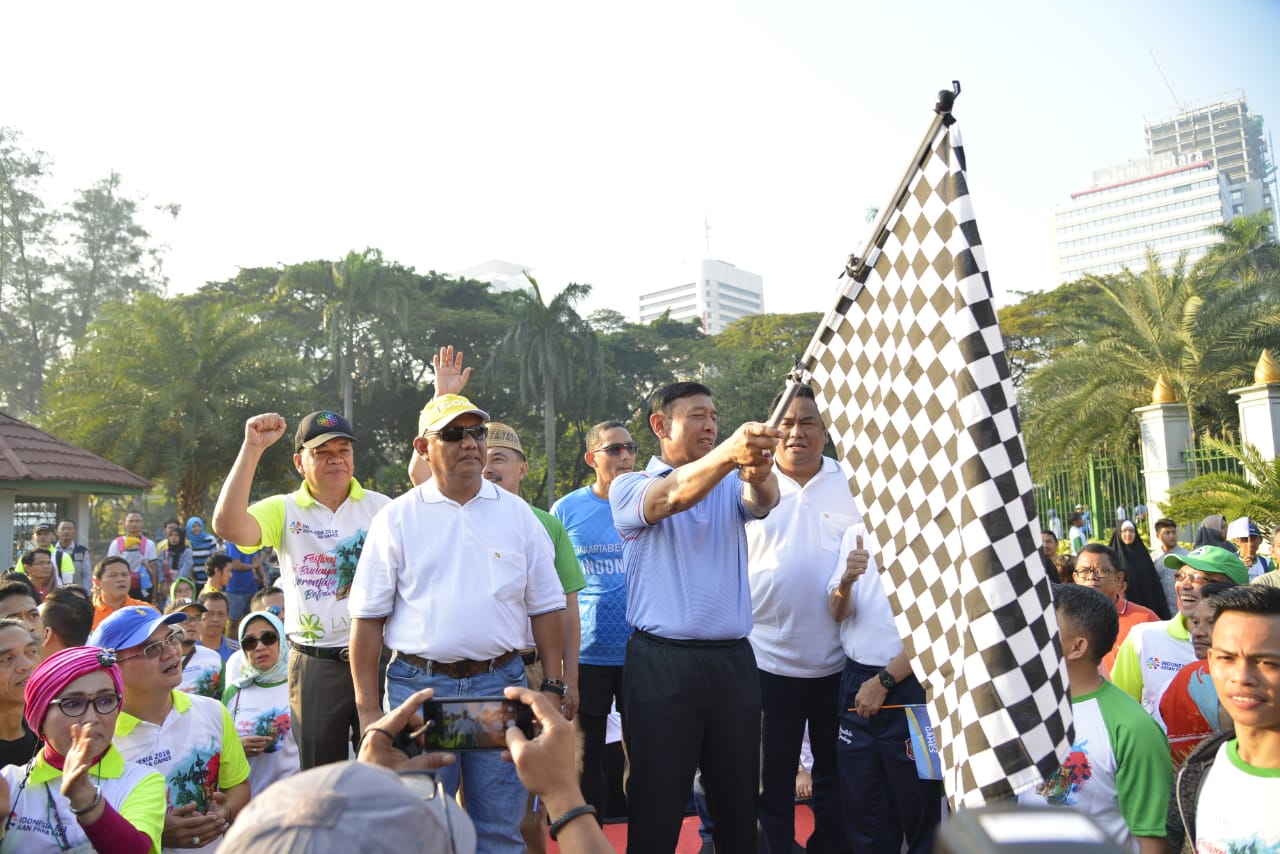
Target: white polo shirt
868 635
319 550
456 581
790 553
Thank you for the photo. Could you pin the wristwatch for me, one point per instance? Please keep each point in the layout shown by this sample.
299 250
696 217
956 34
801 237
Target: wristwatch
554 686
887 680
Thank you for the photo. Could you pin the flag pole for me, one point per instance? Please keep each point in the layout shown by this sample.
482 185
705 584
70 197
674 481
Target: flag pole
858 266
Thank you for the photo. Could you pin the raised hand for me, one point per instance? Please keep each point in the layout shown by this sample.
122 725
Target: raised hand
262 431
856 563
451 377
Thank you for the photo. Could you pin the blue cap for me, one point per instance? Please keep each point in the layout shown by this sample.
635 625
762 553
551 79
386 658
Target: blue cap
130 626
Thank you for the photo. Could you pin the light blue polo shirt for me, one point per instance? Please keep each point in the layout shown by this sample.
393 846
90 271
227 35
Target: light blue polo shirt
687 574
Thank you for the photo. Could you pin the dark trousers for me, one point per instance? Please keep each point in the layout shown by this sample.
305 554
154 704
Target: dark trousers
789 703
598 686
322 704
691 704
884 801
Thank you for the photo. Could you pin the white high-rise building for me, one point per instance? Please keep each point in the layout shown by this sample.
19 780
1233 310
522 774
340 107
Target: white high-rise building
715 292
1167 202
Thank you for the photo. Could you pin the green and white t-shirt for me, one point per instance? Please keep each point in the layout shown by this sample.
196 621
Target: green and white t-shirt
196 749
264 710
202 673
1237 806
1118 748
319 549
41 815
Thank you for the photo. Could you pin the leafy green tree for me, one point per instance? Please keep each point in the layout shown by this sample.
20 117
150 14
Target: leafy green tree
28 320
554 352
1199 326
362 304
1255 493
747 363
168 398
109 257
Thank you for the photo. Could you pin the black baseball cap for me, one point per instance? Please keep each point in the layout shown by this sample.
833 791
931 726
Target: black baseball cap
319 427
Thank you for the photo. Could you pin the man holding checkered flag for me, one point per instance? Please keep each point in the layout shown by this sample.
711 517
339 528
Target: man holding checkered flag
909 370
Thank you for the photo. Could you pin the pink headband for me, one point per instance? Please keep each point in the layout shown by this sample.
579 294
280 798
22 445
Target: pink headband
58 671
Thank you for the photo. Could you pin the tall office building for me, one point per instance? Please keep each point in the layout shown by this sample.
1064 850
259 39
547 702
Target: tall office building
715 292
1166 202
1225 132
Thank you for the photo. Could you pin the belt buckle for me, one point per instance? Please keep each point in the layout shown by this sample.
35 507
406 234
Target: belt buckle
344 654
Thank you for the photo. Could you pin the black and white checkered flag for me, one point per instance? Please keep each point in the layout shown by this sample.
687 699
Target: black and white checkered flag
910 371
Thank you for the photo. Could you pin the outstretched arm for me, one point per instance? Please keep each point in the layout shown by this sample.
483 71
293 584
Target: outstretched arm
231 519
751 446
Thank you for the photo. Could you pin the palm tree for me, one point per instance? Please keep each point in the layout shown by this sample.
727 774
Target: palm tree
363 304
167 396
1198 328
1254 493
554 351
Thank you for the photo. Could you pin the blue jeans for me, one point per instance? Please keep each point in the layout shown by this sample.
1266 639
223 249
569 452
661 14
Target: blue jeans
496 799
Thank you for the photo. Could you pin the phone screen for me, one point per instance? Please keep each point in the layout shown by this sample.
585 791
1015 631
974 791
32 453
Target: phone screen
474 723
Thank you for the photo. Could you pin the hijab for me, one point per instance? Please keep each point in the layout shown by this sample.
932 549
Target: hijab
1210 534
204 540
1140 572
187 582
278 672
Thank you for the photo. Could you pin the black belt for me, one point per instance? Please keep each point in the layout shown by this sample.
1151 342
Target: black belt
692 644
328 653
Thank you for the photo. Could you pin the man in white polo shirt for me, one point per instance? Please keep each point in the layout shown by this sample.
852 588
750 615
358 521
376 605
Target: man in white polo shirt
318 532
451 575
790 554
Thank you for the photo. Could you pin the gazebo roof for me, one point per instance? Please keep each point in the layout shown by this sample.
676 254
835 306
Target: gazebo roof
30 455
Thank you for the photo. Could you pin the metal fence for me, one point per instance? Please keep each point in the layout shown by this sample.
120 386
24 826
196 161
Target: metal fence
1109 490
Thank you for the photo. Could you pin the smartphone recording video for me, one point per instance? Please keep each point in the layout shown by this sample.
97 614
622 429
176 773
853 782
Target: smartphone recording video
474 723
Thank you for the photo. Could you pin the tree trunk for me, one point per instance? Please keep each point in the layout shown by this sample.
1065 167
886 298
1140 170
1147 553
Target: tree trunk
549 436
192 492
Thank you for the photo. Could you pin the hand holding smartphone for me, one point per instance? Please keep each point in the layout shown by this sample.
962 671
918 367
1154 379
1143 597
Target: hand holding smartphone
473 723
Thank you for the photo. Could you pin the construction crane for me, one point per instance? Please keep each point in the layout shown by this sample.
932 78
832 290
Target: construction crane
1182 105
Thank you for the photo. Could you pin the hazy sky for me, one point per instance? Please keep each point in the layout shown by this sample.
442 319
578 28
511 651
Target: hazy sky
589 141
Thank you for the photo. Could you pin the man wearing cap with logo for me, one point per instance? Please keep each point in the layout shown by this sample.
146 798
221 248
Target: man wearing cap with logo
451 576
318 533
1248 539
1153 653
190 740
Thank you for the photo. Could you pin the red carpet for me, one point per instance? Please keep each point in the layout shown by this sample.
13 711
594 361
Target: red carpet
690 842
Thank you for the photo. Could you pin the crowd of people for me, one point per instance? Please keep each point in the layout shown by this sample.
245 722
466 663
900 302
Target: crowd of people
723 598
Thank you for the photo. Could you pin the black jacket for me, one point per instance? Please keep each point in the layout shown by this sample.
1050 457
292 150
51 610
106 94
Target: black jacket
1181 824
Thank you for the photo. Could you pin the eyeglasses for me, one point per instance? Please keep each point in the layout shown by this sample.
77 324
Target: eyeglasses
1092 573
75 707
617 449
1196 578
155 650
250 643
456 434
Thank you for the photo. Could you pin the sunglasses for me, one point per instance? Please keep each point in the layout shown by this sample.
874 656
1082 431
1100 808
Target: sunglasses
155 650
456 434
617 449
250 642
1196 578
75 707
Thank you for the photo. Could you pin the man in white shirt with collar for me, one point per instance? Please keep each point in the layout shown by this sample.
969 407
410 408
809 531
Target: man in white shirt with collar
451 575
790 553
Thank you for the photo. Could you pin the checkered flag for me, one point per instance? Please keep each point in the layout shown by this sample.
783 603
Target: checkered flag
910 371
